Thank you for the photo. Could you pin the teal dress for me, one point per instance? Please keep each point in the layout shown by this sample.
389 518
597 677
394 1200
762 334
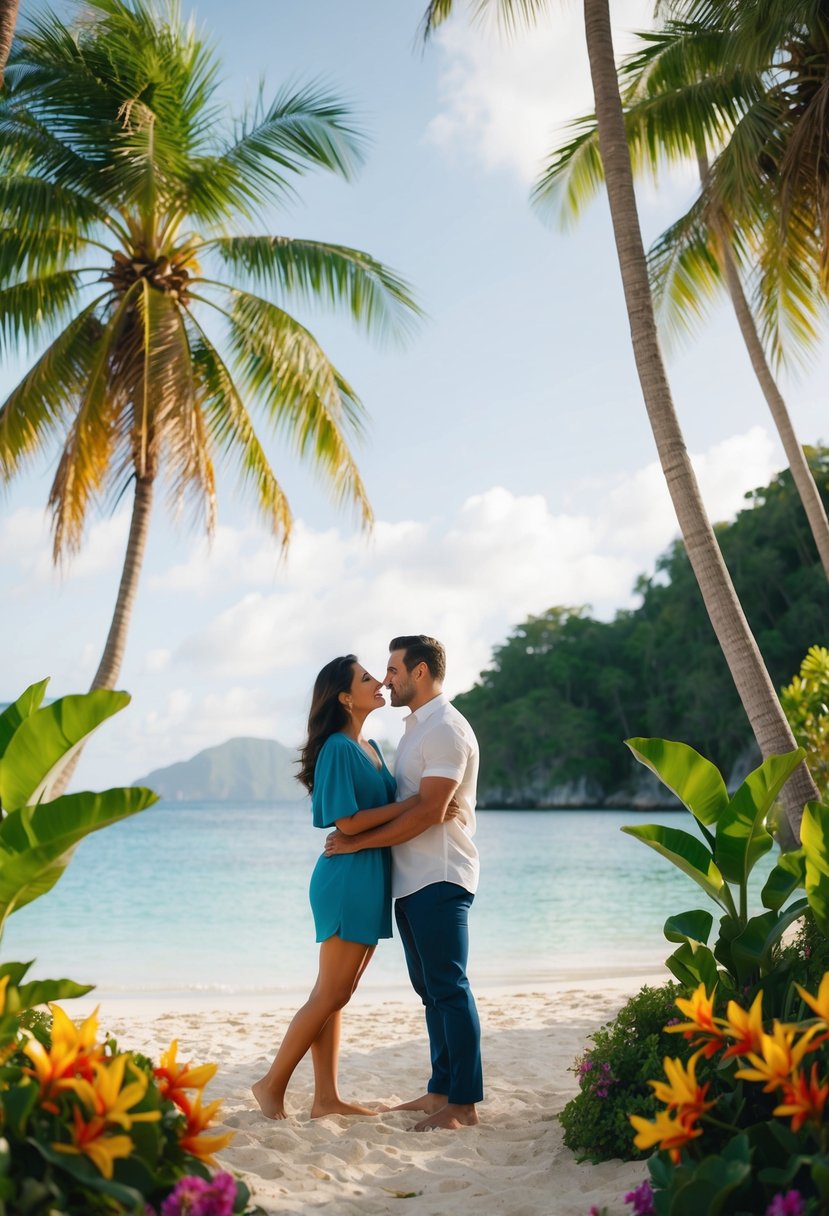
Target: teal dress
350 892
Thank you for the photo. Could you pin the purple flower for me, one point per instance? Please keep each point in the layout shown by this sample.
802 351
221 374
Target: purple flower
790 1204
193 1196
642 1199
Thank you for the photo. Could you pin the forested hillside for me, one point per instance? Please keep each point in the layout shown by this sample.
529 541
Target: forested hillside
565 689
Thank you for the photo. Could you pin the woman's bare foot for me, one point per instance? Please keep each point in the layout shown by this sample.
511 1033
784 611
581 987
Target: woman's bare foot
431 1103
270 1105
338 1107
450 1117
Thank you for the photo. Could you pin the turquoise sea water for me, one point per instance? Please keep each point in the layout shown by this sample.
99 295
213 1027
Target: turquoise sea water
193 897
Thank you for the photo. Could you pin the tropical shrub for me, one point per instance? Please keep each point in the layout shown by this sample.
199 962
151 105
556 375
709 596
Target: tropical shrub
612 1074
806 705
91 1129
733 837
86 1128
759 1143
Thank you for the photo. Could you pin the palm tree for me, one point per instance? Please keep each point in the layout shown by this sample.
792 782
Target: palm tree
681 90
739 647
123 196
8 20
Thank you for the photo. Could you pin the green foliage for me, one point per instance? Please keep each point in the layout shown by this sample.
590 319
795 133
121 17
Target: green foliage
90 1130
734 838
161 326
749 1130
37 837
613 1072
806 704
565 689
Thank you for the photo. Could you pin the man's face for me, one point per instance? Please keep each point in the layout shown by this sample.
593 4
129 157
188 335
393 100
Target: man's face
398 680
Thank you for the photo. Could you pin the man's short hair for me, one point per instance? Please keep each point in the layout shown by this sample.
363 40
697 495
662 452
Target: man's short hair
418 648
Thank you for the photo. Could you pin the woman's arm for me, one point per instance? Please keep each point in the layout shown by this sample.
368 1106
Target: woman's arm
363 821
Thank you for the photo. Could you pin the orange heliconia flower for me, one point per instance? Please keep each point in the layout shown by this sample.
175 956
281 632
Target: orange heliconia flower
803 1099
702 1028
74 1054
745 1028
818 1004
194 1140
781 1054
89 1139
668 1133
682 1092
174 1078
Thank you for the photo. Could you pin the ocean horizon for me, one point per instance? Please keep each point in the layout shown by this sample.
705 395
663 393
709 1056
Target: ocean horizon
212 898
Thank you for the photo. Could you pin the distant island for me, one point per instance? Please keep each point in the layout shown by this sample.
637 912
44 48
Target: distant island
240 770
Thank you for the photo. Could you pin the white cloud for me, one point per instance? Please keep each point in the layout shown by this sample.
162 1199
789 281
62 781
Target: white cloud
506 100
26 543
245 666
467 580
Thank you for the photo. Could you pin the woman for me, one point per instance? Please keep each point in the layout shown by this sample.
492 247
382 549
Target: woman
352 789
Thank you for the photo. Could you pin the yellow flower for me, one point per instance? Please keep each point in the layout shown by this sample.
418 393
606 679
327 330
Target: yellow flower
746 1029
173 1078
4 983
89 1140
669 1133
803 1099
198 1119
682 1092
820 1003
109 1099
779 1056
701 1027
74 1053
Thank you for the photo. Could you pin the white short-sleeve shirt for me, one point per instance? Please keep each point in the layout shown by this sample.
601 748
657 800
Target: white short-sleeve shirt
438 742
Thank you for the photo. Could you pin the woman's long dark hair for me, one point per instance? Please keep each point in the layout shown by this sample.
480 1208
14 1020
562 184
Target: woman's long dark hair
328 714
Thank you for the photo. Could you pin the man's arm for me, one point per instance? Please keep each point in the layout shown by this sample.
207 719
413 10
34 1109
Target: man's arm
430 805
364 821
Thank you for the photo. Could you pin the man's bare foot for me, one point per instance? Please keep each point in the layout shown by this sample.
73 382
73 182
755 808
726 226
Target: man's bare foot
450 1117
270 1106
338 1107
428 1102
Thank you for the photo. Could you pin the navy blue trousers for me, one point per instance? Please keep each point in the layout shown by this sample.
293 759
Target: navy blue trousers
433 924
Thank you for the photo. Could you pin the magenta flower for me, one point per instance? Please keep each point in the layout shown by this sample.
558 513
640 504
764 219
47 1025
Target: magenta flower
642 1199
194 1196
790 1204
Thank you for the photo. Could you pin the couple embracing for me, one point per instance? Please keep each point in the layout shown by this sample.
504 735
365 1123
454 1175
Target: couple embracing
407 838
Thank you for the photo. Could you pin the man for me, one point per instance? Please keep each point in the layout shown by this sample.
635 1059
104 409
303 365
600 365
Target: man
434 874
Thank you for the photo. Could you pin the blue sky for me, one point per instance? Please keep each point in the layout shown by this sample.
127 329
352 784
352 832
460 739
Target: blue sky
508 457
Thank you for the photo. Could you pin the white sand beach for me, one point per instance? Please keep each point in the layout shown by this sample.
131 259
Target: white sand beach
513 1164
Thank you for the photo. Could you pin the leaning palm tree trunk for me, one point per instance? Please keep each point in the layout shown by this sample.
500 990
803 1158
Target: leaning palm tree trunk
727 618
8 21
109 667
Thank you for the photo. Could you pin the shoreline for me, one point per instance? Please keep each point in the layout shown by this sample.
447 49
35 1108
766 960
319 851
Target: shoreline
143 1003
504 1166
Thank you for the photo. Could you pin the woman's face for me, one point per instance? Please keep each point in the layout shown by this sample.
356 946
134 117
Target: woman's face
365 693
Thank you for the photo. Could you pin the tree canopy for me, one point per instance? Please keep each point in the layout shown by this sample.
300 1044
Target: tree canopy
565 689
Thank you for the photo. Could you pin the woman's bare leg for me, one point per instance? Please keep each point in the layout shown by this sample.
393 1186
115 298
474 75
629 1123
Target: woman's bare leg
340 965
325 1052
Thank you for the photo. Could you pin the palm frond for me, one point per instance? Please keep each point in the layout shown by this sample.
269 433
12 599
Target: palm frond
36 307
231 429
45 396
86 458
685 271
788 297
316 272
306 398
301 129
511 15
